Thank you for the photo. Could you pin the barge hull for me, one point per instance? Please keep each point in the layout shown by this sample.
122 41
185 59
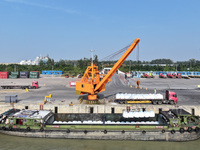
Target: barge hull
114 135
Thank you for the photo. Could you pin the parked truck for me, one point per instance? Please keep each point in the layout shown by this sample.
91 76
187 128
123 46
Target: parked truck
162 76
169 98
178 75
34 85
145 75
169 75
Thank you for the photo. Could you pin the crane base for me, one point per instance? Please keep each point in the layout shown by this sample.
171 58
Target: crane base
92 101
92 97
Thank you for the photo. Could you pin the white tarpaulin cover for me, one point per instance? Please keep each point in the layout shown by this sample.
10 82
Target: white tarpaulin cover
139 96
138 114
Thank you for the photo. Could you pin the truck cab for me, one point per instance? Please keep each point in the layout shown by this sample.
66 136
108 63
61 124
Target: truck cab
35 84
171 97
162 75
169 75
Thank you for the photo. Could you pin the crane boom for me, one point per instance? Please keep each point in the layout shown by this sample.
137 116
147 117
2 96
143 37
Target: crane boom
90 83
103 82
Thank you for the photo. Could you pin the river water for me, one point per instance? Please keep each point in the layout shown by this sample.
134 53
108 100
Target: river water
21 143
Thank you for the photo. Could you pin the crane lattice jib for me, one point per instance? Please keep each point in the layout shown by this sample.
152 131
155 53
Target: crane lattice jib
101 86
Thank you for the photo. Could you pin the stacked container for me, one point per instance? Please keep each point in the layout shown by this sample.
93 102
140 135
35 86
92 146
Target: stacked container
14 75
50 72
34 74
4 75
24 74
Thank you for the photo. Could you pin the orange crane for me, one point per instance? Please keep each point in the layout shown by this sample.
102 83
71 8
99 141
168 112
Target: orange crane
92 84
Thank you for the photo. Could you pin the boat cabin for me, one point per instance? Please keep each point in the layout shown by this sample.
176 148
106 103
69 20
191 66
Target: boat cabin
31 117
179 117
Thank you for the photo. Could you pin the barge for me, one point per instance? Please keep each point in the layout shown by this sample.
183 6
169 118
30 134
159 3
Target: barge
172 125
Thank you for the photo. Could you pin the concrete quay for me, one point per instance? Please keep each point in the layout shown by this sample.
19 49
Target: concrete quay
63 95
97 108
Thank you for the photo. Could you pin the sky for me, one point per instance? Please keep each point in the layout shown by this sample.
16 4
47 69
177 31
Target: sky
69 29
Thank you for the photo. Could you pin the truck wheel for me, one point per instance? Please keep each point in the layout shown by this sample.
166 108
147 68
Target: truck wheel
154 102
159 102
171 102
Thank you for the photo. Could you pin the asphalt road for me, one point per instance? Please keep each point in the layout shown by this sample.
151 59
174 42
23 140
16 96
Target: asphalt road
186 89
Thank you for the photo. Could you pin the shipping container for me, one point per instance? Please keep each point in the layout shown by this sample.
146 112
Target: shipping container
14 75
24 74
52 72
34 73
33 76
4 75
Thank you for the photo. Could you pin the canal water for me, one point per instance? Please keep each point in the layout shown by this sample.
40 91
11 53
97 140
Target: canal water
21 143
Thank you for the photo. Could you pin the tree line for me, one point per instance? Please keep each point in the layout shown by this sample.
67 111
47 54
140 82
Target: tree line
74 67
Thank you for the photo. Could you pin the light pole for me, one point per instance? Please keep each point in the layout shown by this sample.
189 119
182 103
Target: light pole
92 54
52 71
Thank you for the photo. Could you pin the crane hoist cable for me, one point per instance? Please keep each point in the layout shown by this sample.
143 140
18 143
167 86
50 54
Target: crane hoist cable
115 54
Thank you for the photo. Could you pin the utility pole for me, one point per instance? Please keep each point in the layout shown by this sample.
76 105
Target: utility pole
138 56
